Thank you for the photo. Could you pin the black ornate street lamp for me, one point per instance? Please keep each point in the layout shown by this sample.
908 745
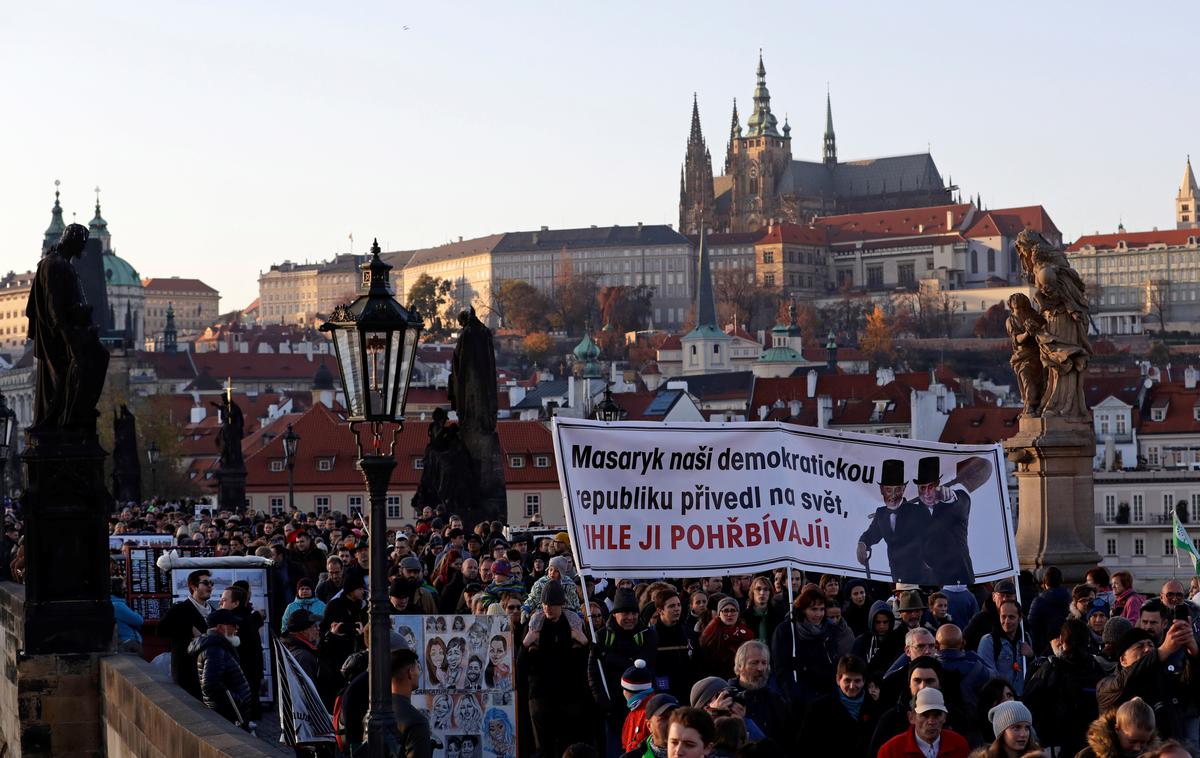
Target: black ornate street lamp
291 442
607 409
152 457
375 342
8 430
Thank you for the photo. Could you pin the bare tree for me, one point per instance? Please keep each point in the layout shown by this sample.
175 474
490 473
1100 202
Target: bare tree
1157 302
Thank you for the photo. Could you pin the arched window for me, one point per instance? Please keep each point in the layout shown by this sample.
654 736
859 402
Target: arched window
991 260
974 261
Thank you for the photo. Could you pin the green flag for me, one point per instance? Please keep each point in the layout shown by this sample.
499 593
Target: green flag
1183 544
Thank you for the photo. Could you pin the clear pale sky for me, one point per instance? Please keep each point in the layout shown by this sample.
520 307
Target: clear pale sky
230 135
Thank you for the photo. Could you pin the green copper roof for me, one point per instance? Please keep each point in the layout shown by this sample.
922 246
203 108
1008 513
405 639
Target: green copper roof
706 331
57 227
780 355
118 272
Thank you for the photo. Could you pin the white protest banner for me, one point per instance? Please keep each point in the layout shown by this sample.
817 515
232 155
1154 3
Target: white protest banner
697 499
303 719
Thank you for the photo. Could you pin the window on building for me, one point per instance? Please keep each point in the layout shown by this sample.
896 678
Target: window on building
1120 423
1168 502
1110 508
906 274
991 260
321 502
1139 509
1169 546
768 256
418 463
516 461
354 503
1152 456
533 504
875 277
1139 546
276 505
277 465
929 264
768 280
325 464
974 261
541 461
393 506
1103 425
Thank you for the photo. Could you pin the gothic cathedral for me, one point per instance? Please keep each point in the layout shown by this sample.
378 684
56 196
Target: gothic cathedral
762 183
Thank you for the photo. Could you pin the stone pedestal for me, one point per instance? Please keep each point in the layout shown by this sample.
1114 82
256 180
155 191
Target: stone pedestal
232 493
67 600
1055 509
491 498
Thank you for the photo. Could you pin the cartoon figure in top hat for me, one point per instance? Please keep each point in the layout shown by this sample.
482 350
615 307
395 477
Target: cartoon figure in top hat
901 524
949 509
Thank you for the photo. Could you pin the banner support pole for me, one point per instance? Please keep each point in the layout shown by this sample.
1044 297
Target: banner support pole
792 617
1017 587
587 613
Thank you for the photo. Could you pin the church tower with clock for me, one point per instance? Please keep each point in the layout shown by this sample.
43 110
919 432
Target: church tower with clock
757 161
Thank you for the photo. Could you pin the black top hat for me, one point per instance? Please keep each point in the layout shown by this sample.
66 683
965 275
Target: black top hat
893 473
929 470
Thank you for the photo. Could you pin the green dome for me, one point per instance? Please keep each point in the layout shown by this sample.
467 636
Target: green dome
118 272
587 349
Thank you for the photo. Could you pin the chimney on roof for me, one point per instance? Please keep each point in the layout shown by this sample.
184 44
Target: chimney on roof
793 408
545 228
812 383
460 238
949 221
762 412
824 411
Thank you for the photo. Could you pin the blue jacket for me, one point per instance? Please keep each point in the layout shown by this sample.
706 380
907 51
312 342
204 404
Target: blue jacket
1046 617
963 605
973 672
312 605
129 621
1009 665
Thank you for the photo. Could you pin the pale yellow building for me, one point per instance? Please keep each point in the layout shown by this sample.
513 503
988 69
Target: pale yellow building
196 305
14 295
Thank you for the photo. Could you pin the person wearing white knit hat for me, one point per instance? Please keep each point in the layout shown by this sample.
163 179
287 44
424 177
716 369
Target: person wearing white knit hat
1012 723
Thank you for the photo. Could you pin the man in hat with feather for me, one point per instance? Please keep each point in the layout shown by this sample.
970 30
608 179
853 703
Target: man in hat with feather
902 524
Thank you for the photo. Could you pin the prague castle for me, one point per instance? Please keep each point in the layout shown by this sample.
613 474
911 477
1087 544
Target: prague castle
763 184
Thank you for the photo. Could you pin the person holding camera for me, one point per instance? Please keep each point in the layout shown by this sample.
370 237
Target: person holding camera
718 698
754 686
1165 676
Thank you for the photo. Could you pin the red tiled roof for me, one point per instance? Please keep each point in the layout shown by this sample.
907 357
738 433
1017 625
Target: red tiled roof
673 342
257 366
906 222
793 234
174 284
1179 403
1010 222
517 438
846 387
1170 237
980 425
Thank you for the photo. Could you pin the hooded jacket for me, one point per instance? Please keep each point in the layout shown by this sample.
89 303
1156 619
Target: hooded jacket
223 686
1102 741
879 652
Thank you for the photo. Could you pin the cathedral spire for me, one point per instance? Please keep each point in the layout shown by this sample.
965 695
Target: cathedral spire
735 133
1186 200
695 136
170 335
696 199
830 151
98 226
706 301
57 227
762 122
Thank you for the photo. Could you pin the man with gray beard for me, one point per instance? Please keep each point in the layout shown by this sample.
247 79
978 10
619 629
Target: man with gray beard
755 687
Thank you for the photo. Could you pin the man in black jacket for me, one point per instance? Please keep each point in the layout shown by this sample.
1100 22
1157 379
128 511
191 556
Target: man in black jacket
236 598
946 551
223 686
552 658
842 722
675 670
185 621
344 619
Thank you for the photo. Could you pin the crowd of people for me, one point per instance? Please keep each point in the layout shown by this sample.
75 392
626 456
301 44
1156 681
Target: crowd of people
713 666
